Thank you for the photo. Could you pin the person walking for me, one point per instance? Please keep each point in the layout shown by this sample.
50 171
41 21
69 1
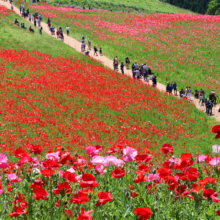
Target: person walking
167 87
133 71
122 68
83 46
189 94
145 71
12 8
89 44
100 51
175 88
41 17
29 16
127 62
137 73
39 22
83 37
135 66
20 8
154 80
170 89
115 63
35 22
40 29
95 51
67 30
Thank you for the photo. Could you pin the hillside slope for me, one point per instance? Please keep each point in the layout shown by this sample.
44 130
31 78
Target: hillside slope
73 102
145 6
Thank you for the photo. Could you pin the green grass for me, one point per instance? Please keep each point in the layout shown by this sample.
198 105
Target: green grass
14 37
139 6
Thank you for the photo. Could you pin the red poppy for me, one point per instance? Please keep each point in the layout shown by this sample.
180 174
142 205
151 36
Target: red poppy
140 178
40 193
88 177
143 158
186 194
104 197
79 198
216 130
88 181
65 187
143 168
37 184
85 215
163 172
202 182
134 195
70 176
167 148
117 173
20 153
192 177
47 172
181 176
130 187
51 163
208 192
218 212
69 213
18 211
151 188
211 180
180 189
65 157
186 156
144 212
196 188
36 149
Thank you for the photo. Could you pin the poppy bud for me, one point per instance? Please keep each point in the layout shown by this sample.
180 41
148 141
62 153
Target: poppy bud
76 154
127 193
105 215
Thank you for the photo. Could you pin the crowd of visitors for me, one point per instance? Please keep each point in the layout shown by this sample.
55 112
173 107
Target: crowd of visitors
138 71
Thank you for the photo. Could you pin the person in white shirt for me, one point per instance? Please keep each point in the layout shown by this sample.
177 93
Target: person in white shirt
67 30
189 93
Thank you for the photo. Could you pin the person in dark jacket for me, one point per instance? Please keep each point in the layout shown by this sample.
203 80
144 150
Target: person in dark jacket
122 68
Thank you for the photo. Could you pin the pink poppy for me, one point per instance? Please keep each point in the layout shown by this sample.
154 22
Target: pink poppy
92 151
3 161
129 154
201 158
214 161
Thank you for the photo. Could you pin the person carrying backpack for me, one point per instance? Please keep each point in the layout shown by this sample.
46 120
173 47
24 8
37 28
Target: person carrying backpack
100 51
95 51
209 107
127 62
136 66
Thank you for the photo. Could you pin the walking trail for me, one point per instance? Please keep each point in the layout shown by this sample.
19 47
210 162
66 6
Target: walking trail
109 63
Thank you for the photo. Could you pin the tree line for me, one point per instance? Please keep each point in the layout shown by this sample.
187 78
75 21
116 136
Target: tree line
200 6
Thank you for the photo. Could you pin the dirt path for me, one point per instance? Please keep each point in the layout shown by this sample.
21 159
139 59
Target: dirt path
107 62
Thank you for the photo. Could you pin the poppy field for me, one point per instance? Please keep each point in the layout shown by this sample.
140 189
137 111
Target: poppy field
82 142
182 48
